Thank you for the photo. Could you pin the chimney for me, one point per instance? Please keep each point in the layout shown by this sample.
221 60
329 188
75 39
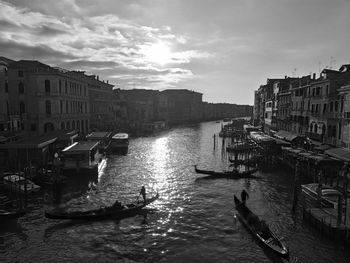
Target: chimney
314 76
107 81
285 76
97 77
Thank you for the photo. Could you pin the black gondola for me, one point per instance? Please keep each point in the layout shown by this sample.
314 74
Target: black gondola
101 213
12 214
260 230
234 174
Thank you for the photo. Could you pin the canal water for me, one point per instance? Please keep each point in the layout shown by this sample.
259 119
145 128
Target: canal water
194 220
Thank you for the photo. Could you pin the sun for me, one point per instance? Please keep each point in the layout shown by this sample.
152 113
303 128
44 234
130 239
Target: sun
159 53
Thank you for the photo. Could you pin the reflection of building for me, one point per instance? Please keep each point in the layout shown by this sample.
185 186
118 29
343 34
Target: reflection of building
47 98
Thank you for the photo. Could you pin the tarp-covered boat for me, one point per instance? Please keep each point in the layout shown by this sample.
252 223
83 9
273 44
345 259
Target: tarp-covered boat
260 230
101 213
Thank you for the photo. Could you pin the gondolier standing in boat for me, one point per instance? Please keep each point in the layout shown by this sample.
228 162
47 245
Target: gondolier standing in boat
143 193
244 196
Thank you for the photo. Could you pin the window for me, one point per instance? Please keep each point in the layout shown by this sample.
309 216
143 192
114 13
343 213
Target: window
6 86
65 86
20 88
336 106
324 108
47 86
66 106
5 71
22 107
61 106
48 107
331 107
33 127
60 85
62 125
20 73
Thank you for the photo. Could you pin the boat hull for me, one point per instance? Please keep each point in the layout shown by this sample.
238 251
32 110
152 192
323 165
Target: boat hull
102 213
229 175
265 238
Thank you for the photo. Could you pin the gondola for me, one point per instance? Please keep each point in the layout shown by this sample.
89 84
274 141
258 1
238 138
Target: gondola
101 213
260 230
234 174
12 214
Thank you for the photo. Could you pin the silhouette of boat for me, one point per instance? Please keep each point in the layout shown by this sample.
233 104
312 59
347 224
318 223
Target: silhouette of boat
233 174
103 212
260 230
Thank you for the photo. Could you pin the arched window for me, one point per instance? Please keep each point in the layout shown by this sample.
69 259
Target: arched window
21 88
68 125
22 107
82 126
315 128
311 124
62 125
78 125
48 107
47 86
73 125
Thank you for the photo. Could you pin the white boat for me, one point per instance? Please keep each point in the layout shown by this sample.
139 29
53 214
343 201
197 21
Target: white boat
329 196
15 182
120 143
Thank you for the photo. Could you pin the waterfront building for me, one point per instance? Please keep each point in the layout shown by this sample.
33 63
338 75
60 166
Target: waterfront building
141 108
184 106
7 125
326 106
344 93
47 98
102 112
299 104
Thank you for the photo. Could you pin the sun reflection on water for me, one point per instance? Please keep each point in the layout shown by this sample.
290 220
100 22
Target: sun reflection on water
159 160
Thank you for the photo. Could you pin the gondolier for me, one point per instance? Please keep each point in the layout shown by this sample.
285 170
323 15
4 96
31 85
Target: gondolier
143 193
244 196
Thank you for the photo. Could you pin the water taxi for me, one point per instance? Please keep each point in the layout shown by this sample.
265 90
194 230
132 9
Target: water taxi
120 143
82 157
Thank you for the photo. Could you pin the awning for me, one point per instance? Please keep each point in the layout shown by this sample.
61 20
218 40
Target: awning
33 143
285 135
340 153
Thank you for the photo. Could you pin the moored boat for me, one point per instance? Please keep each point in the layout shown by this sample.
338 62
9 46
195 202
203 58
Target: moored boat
101 213
327 197
260 230
233 174
20 184
120 143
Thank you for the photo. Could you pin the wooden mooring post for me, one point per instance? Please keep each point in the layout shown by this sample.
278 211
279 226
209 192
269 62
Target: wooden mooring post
297 186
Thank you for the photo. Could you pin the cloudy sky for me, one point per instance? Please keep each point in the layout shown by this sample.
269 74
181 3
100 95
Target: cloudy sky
224 49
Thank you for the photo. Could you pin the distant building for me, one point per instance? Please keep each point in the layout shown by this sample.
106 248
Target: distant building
102 113
184 106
